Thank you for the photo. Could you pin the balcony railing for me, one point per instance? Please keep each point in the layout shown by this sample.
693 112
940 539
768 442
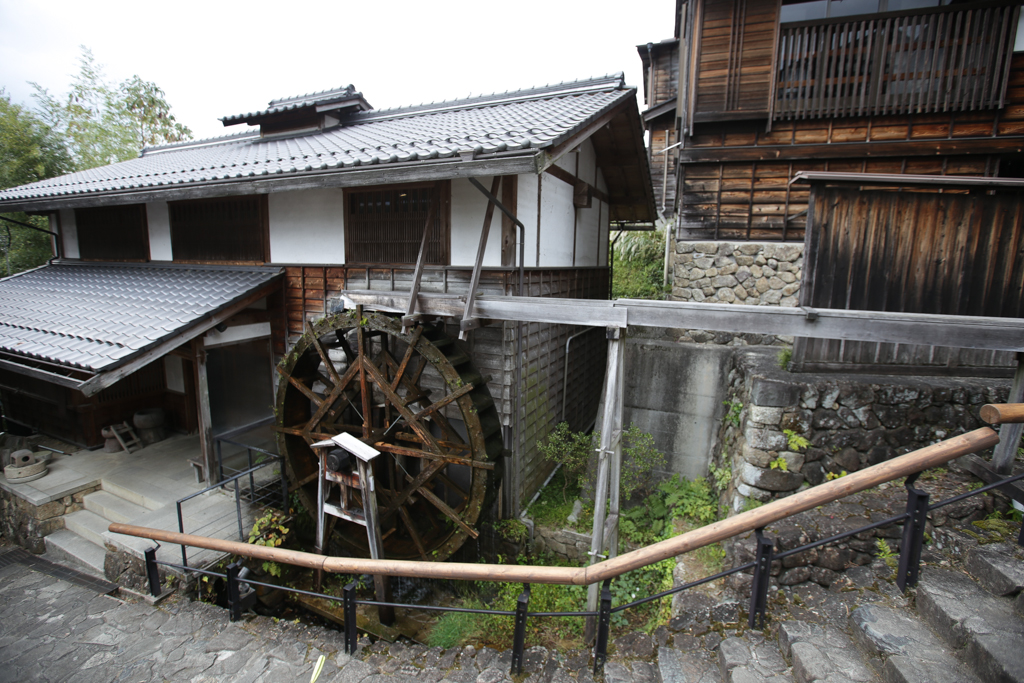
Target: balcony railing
949 58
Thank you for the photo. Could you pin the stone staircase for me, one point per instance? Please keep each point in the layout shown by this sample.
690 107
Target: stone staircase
84 541
964 623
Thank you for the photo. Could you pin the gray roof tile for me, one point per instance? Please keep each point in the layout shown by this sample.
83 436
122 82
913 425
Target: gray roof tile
517 121
93 316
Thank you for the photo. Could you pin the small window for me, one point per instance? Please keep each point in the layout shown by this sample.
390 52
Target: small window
386 225
113 233
231 229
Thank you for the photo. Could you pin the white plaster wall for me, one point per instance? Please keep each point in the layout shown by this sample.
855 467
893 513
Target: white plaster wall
526 212
468 208
174 373
159 222
556 225
307 226
588 232
69 231
236 334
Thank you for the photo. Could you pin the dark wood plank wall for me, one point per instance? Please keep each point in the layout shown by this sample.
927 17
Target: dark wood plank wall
912 251
736 51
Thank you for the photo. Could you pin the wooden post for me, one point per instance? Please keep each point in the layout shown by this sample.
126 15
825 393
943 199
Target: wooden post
613 377
421 259
381 584
1010 432
203 408
474 281
611 525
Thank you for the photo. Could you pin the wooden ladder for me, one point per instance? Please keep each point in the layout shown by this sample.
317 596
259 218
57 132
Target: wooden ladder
126 436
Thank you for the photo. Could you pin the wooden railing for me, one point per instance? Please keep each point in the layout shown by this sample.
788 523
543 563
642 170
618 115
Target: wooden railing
902 466
956 57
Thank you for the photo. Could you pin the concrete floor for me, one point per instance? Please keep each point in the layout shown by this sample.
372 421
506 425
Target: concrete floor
141 488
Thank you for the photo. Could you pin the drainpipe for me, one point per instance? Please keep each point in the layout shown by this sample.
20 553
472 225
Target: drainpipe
565 377
664 204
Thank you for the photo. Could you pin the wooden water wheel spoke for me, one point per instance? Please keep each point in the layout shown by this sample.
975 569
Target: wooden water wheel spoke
432 483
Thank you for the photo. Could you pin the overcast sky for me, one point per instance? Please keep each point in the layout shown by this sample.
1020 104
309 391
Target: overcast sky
216 58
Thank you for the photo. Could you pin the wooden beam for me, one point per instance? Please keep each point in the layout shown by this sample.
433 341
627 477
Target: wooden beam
1006 144
481 248
973 332
417 275
205 416
568 143
569 178
1009 434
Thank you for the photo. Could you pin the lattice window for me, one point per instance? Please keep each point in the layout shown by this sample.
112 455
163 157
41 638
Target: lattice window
113 233
222 229
385 226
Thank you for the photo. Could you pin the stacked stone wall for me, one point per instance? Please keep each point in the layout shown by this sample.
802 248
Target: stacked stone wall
748 273
26 524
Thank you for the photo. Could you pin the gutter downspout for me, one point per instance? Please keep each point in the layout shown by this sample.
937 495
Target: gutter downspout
664 203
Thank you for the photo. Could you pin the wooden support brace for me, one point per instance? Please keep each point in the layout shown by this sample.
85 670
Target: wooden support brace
474 282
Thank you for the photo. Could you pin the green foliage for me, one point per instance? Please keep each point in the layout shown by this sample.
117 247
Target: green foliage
675 498
638 262
732 412
512 530
103 123
569 449
785 357
832 475
455 628
779 463
270 530
795 441
639 459
29 152
751 504
640 583
552 507
721 476
885 553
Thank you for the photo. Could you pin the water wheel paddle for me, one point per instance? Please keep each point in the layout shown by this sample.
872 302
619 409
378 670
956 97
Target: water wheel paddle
393 391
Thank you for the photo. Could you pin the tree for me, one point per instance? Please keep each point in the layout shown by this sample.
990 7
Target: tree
29 152
104 123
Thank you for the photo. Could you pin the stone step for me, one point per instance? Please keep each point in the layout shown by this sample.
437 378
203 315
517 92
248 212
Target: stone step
908 650
822 654
996 568
113 508
88 525
966 616
745 660
68 548
687 666
141 492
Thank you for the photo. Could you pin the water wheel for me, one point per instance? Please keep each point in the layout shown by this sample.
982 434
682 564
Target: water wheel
416 398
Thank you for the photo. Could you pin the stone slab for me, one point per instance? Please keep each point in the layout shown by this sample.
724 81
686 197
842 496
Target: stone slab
67 547
996 568
113 508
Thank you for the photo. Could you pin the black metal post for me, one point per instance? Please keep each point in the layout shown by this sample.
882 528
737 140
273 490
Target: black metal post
284 487
762 577
152 571
913 536
604 620
238 510
252 480
181 530
519 636
349 606
220 459
234 593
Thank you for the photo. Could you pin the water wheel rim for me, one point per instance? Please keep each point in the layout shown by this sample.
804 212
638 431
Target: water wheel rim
298 425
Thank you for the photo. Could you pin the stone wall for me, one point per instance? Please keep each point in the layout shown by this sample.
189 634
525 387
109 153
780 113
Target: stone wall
562 543
747 273
849 422
26 524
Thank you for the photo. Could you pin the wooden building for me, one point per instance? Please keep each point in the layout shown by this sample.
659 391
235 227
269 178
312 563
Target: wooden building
763 89
324 194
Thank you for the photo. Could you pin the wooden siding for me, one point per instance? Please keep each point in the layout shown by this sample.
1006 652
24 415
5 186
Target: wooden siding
222 229
112 233
931 60
912 251
755 201
735 52
385 225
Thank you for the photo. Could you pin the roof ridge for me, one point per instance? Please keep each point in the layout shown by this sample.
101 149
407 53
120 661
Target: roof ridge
567 87
202 142
341 90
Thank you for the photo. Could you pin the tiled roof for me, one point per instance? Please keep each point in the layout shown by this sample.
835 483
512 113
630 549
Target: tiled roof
522 121
288 103
95 317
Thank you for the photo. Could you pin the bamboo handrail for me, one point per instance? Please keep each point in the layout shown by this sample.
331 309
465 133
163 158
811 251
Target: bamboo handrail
902 466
